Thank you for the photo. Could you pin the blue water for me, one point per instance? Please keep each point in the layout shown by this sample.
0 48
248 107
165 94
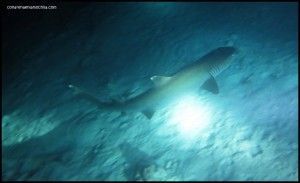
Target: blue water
249 131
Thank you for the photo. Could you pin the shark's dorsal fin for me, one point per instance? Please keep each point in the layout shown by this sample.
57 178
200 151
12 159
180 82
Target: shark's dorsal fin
148 113
211 85
160 80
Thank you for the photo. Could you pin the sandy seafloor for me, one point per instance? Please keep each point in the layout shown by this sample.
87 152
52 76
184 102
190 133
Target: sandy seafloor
249 131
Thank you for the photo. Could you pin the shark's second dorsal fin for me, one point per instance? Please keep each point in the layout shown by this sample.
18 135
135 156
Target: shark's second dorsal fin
160 80
211 85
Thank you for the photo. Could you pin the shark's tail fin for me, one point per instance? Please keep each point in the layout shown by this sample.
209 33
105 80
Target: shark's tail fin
114 105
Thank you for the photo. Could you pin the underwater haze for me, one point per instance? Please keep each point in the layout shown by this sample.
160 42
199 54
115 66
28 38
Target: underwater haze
63 69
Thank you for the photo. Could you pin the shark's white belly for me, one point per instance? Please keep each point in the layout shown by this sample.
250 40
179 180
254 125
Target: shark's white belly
172 91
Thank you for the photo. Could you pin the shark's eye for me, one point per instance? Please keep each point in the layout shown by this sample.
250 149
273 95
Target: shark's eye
191 116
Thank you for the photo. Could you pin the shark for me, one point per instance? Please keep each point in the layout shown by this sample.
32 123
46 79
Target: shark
192 77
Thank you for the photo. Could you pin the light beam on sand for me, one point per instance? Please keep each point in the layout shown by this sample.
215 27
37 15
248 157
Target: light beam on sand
191 115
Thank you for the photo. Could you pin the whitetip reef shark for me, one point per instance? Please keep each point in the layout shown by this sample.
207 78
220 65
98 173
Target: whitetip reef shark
198 75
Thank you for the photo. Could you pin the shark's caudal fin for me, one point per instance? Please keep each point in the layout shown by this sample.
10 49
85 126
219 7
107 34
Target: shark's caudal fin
113 105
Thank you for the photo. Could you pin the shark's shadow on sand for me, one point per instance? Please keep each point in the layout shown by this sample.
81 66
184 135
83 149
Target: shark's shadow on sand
57 146
51 147
137 161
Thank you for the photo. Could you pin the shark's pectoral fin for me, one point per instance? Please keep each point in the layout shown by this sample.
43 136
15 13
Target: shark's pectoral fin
148 113
160 80
211 85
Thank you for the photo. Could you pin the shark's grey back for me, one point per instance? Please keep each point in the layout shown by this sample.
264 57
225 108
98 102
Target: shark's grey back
215 61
